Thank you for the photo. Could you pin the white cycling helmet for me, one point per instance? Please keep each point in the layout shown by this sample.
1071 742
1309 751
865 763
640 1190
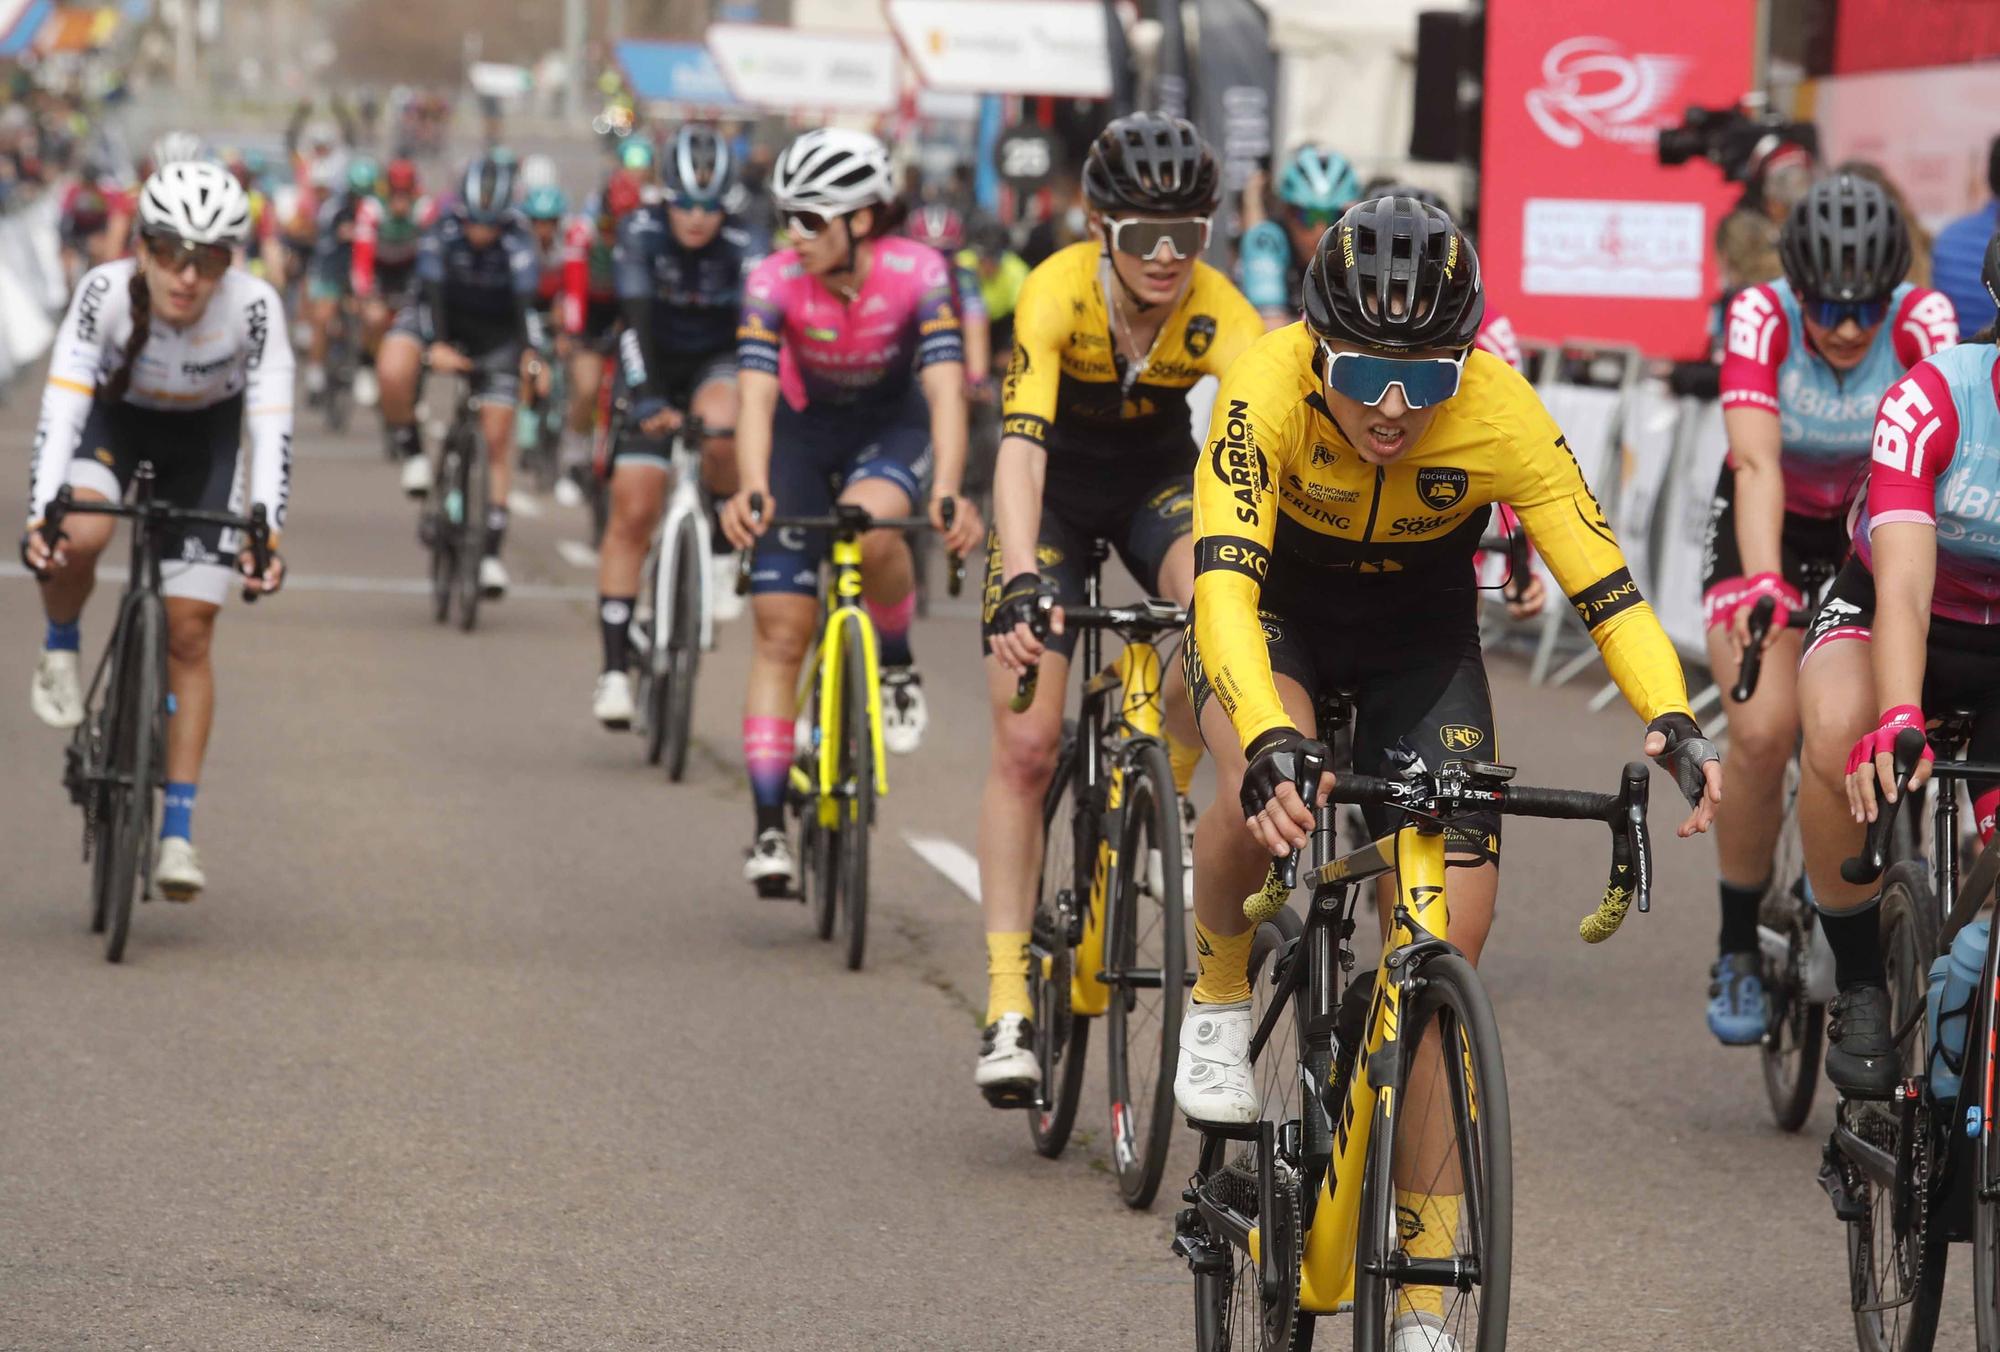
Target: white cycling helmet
539 171
195 200
833 171
176 147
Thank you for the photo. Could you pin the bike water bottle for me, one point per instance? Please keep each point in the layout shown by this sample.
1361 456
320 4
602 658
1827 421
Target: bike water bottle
527 428
1954 976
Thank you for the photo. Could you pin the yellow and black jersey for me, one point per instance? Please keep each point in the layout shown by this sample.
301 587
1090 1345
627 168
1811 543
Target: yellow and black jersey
1286 508
1064 389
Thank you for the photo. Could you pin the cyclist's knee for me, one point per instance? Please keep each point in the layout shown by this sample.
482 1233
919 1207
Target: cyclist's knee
189 634
1024 753
782 638
1761 741
86 536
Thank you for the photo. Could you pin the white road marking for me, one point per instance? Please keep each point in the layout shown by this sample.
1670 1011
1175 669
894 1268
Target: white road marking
951 859
576 553
525 505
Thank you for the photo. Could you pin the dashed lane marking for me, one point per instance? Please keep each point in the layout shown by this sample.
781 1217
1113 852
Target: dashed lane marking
950 858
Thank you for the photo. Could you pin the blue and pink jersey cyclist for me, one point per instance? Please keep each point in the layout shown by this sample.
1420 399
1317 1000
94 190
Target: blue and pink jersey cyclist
1912 623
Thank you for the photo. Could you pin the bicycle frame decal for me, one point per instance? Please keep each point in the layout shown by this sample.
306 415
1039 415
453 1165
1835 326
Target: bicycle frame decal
1326 1278
844 612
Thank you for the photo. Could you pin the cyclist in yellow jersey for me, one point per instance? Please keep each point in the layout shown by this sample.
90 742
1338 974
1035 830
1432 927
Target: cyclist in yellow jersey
1348 476
1096 444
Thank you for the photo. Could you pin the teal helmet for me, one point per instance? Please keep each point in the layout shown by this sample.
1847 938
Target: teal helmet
1318 181
362 174
636 153
545 203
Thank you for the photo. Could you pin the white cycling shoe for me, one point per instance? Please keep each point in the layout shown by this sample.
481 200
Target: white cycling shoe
177 874
1008 1073
770 865
612 704
722 587
1416 1332
417 476
367 390
904 713
57 693
492 578
1213 1080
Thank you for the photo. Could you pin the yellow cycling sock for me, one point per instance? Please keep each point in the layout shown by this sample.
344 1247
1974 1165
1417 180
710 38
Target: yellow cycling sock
1429 1223
1223 963
1007 974
1185 757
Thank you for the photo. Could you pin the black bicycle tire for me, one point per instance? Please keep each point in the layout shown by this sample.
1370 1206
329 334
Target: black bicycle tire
683 652
1790 1052
473 509
443 534
1907 906
97 766
1985 1164
140 701
1062 1036
825 871
652 691
858 775
1449 980
1151 809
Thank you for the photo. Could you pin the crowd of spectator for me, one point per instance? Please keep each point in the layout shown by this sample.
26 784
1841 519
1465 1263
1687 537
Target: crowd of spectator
42 132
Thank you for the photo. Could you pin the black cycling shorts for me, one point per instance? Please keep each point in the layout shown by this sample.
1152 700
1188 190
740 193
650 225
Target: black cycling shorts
1961 661
1142 527
1422 699
496 373
1807 542
681 377
195 456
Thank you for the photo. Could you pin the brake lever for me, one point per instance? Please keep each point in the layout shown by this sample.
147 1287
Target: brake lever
1753 656
1038 624
1306 780
954 581
1867 866
260 552
51 528
1631 879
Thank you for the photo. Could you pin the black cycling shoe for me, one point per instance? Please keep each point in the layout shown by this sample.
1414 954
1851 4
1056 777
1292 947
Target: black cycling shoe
1861 1055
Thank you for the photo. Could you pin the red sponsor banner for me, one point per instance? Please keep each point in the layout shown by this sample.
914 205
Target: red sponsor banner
1900 34
1583 233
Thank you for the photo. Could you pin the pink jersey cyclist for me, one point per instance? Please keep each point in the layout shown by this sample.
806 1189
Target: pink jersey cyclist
827 349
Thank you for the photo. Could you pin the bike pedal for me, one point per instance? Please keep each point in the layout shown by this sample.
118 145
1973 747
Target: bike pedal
1833 1181
1246 1131
1010 1096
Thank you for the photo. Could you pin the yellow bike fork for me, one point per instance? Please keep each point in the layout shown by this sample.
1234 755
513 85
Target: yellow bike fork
1137 675
1326 1278
846 622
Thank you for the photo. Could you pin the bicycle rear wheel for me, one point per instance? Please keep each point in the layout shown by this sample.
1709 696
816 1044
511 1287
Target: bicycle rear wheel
1895 1257
683 650
473 471
1985 1163
1437 1194
1790 1051
857 777
1145 949
1062 1038
134 763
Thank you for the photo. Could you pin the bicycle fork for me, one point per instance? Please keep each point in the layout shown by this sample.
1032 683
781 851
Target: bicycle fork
1136 674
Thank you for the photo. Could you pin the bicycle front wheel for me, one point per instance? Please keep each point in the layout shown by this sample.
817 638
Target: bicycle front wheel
1895 1253
683 650
441 532
857 782
134 761
1986 1212
1436 1246
1062 1037
1146 955
472 527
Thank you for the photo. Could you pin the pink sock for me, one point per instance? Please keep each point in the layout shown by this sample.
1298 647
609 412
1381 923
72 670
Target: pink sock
892 626
767 754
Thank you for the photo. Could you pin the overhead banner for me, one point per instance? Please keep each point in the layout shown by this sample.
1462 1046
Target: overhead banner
801 69
674 72
1232 93
1053 47
1583 233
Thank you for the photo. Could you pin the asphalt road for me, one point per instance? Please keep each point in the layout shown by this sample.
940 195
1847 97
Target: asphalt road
478 1041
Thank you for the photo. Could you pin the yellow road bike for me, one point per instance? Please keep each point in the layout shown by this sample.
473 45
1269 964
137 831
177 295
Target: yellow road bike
1380 1174
839 772
1108 939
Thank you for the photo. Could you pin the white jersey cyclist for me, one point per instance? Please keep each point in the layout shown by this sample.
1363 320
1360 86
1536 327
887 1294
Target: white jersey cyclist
234 357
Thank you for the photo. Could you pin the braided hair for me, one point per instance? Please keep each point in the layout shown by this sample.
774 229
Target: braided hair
114 389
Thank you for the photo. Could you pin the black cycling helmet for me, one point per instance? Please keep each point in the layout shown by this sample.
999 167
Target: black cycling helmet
1396 274
487 191
699 165
1424 195
1151 163
1845 241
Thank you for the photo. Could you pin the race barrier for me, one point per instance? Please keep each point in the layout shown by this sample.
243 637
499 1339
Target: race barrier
32 291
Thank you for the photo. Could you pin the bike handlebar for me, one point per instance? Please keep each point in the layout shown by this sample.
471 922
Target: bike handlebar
848 519
1142 620
1753 656
256 526
1631 877
1867 866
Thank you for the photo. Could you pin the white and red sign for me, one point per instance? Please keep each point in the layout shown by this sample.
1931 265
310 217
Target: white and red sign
802 69
1054 47
1582 232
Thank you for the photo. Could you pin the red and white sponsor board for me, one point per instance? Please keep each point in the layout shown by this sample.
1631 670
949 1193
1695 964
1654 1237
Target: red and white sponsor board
1581 227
